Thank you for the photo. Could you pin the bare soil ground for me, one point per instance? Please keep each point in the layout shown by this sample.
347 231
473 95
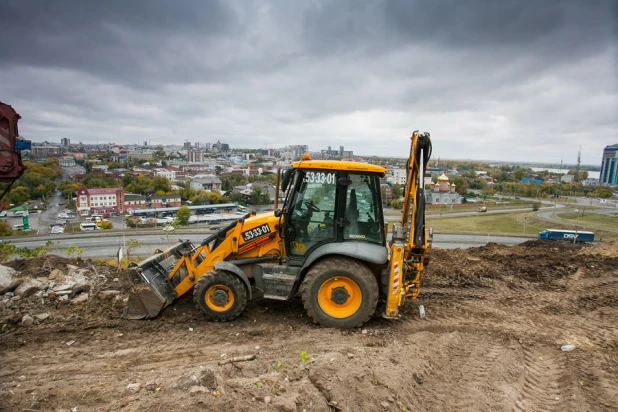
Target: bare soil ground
497 317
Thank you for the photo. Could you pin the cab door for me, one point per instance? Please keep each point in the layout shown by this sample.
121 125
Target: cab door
312 213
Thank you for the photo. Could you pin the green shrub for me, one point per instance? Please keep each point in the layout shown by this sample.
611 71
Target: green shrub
106 225
5 228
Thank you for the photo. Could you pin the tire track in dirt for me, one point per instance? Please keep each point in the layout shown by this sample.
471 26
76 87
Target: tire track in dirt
466 366
544 384
599 295
597 377
478 378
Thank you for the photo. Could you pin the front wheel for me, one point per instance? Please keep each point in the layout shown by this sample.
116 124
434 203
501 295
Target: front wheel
340 292
220 295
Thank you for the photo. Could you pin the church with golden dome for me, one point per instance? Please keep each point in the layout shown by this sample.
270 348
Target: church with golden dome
442 192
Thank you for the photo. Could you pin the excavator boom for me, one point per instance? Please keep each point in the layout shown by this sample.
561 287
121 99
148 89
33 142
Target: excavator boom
410 241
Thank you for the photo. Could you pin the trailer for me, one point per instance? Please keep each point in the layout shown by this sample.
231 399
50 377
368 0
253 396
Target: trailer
575 236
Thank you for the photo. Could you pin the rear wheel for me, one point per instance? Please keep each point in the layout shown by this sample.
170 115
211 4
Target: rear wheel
340 292
220 295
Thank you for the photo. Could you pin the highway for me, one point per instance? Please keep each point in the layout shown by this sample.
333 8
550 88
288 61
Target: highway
104 245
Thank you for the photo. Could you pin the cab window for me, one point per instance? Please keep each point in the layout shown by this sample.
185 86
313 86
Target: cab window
313 211
363 210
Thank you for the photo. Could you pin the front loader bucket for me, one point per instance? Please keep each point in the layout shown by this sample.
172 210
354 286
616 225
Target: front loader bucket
151 287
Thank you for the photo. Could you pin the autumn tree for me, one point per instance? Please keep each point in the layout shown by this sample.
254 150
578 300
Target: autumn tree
183 215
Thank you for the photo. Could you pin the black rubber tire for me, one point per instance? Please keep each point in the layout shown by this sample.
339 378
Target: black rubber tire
340 266
230 281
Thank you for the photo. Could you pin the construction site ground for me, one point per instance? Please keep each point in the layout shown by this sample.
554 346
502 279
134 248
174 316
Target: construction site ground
496 319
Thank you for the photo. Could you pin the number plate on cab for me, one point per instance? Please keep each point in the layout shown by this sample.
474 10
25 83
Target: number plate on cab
255 232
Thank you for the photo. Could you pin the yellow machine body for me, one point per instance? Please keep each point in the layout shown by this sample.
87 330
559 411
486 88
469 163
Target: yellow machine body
327 243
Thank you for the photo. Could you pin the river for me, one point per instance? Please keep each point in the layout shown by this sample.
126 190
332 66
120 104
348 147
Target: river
591 174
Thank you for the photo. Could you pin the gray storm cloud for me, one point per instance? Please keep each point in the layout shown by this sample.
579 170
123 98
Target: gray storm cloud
508 80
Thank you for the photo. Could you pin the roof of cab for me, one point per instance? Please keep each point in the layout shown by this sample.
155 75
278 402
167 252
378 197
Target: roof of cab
338 165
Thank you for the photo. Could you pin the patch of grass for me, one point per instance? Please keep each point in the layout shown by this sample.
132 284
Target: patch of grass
508 223
591 219
18 233
394 213
72 227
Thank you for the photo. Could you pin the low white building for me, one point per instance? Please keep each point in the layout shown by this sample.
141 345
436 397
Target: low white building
397 176
168 174
66 162
206 182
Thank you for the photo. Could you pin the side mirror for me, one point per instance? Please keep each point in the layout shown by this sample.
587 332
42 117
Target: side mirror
287 176
278 213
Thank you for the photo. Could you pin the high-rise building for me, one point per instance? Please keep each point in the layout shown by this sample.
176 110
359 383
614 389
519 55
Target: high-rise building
44 150
195 156
65 142
187 146
609 166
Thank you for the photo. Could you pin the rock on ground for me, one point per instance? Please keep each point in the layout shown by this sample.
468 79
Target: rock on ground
8 281
29 287
80 298
56 275
27 320
134 387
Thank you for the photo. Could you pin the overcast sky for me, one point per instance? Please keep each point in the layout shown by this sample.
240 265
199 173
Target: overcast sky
499 80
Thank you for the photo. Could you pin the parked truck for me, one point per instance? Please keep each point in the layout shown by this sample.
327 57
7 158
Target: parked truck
575 236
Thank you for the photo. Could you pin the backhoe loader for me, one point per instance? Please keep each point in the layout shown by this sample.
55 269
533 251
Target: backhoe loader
328 243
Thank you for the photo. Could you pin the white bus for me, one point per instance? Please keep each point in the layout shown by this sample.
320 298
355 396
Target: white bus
88 226
241 208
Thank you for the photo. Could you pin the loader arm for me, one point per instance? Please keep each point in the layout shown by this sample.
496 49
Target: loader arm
164 277
410 241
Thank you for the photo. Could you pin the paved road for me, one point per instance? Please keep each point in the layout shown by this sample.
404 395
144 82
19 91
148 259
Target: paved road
107 245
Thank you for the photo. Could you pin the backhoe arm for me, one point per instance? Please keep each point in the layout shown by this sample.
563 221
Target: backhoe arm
409 244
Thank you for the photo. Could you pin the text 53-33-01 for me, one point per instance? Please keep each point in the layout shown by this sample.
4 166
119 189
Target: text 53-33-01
255 232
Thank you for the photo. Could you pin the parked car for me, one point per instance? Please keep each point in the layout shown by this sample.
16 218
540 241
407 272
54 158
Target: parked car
215 227
168 228
57 229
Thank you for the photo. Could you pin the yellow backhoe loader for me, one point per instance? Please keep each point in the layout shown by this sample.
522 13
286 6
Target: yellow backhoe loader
328 243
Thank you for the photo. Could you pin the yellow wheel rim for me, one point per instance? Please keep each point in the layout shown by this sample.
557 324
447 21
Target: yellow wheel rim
340 297
219 298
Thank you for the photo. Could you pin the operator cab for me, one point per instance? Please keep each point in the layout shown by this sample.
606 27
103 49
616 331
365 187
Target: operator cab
324 205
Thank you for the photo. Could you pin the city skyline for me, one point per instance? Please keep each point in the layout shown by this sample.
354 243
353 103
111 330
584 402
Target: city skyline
515 81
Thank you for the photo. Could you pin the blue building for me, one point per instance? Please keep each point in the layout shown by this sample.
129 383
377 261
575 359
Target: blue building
609 166
529 180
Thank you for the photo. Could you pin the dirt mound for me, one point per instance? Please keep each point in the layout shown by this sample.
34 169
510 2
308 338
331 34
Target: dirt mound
37 266
58 290
608 249
496 318
534 261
